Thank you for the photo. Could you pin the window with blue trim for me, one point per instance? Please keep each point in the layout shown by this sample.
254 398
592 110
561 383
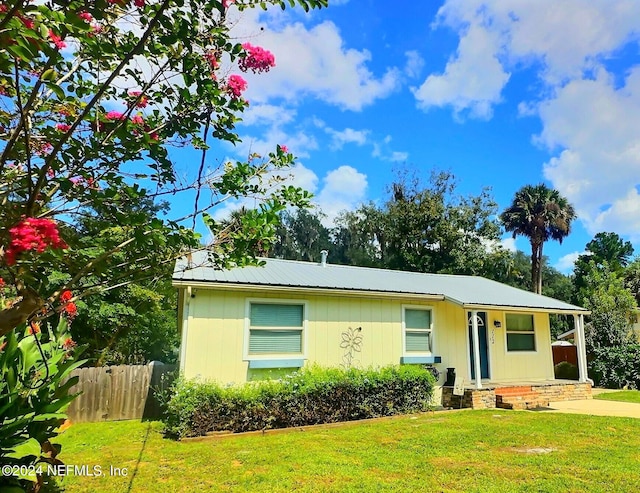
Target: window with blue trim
417 331
275 328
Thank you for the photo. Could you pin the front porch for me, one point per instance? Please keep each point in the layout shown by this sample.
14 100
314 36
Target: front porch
516 395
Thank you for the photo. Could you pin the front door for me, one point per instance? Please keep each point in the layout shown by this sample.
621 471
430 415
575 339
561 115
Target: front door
484 347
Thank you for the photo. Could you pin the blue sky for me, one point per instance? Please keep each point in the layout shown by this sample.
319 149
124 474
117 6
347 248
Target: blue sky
501 93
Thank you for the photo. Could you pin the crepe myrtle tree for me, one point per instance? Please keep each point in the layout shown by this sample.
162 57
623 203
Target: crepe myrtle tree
93 93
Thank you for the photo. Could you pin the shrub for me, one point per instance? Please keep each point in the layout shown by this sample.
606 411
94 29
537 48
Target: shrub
566 371
34 394
310 396
616 367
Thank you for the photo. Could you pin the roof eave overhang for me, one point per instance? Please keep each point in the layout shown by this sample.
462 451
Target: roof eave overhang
559 311
304 289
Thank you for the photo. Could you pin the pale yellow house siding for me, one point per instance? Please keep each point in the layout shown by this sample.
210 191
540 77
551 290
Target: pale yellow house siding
213 342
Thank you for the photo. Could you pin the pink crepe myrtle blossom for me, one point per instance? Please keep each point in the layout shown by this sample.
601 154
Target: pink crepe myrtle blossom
227 3
95 29
42 148
142 101
85 16
137 120
28 23
284 149
212 59
33 234
63 127
236 85
56 40
138 3
257 59
114 115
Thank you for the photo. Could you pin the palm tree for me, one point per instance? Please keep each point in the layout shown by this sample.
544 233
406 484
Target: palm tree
539 213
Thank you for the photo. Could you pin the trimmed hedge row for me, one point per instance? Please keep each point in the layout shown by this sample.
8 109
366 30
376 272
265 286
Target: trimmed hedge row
310 396
616 367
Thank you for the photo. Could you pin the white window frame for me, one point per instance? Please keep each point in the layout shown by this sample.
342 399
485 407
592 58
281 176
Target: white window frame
432 341
274 356
507 332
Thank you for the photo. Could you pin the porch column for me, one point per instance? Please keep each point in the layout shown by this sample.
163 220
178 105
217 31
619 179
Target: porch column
476 349
578 323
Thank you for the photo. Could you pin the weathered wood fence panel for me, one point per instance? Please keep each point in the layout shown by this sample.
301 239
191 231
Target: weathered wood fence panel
113 393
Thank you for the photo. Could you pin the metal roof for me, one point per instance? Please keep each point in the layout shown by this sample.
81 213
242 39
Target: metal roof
463 290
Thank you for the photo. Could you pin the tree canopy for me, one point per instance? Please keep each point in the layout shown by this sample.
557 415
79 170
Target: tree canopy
540 214
92 97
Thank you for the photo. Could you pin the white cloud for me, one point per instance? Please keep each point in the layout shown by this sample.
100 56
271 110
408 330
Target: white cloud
414 65
267 114
298 142
589 120
595 127
312 61
382 151
472 80
343 189
566 38
346 136
509 244
566 263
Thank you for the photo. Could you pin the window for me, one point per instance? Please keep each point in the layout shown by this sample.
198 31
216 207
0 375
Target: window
417 330
275 328
520 333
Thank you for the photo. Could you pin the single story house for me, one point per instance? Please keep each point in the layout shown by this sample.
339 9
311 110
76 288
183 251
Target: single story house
246 323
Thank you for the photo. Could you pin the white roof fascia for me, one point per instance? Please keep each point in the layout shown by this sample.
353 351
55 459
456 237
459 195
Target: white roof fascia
511 308
298 289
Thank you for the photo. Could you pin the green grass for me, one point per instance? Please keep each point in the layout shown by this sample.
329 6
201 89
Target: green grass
623 396
483 451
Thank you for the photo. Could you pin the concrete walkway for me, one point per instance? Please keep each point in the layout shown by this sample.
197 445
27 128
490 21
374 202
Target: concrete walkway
595 407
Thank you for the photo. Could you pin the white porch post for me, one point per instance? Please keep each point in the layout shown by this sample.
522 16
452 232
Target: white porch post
578 323
476 349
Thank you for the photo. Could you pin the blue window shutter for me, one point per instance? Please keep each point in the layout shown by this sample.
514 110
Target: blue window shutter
273 315
275 341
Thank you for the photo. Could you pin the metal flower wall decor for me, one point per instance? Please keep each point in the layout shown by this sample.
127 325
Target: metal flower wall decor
351 343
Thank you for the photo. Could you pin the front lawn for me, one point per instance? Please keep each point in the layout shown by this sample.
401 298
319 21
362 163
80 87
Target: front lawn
623 396
500 451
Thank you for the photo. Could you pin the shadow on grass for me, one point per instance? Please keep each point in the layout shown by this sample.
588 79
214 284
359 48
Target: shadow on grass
136 467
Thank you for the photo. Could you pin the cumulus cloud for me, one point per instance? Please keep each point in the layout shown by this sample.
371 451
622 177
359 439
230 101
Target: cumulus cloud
312 61
414 64
589 119
267 114
343 189
566 263
382 150
347 136
299 142
472 80
497 36
509 244
594 126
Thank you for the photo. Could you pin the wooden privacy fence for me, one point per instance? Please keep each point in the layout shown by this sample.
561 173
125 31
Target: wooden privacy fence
112 393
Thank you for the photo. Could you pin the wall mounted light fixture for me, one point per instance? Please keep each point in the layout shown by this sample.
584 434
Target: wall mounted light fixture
497 324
